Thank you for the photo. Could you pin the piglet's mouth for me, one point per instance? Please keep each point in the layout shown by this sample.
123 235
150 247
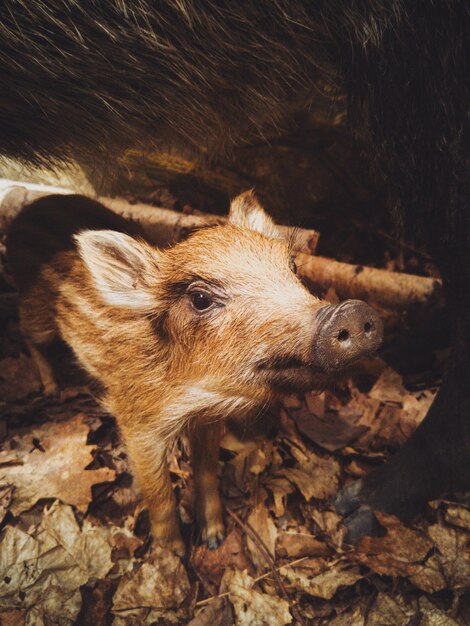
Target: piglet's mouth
290 374
288 366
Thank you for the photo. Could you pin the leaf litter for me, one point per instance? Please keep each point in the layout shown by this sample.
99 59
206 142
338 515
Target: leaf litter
75 546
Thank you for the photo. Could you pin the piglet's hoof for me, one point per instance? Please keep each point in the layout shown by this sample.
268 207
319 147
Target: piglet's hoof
213 536
172 544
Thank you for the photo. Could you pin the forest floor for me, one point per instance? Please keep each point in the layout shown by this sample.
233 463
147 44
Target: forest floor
75 545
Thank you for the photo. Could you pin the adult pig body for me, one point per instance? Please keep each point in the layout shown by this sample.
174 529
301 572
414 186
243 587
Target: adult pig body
86 77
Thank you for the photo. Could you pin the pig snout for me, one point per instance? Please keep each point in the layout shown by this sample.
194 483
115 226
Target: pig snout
346 332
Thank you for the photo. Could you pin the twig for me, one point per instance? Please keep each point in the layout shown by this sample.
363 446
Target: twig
265 552
255 580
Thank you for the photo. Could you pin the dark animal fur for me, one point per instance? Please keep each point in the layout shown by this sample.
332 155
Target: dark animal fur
91 76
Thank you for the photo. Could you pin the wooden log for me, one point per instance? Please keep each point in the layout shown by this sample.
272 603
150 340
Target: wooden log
165 227
395 290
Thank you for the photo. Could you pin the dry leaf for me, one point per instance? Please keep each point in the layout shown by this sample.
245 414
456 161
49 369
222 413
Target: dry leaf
328 521
415 409
315 477
6 492
251 458
58 471
280 489
211 564
216 613
404 552
12 618
261 522
297 545
389 411
432 616
458 516
258 459
348 618
399 553
253 608
43 572
449 567
389 387
321 578
389 611
329 431
155 591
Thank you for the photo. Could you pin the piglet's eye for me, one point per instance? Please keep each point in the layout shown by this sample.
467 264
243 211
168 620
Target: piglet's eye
201 301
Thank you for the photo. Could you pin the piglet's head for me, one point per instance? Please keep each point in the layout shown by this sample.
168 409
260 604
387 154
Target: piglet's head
227 307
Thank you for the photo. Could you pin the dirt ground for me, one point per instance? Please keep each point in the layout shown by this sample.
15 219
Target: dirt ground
75 545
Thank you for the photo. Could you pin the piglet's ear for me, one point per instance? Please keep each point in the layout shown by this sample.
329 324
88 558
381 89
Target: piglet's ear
124 270
247 212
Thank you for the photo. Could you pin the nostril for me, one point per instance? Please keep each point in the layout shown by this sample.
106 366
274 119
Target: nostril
368 327
343 335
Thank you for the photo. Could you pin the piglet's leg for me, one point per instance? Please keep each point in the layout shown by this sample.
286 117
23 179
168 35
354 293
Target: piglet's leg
205 441
44 369
149 464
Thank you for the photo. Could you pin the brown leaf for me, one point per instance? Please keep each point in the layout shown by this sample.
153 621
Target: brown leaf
389 611
261 522
211 564
12 618
389 387
458 516
251 458
155 591
216 613
401 552
315 477
352 617
280 489
296 545
330 431
321 578
258 459
97 602
449 567
392 414
59 471
432 616
253 608
6 492
415 408
327 521
43 572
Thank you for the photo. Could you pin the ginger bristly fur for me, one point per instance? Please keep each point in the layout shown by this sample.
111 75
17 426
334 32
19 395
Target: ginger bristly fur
180 338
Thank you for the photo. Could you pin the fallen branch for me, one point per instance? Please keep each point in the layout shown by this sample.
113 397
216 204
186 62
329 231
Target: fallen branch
394 290
164 227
